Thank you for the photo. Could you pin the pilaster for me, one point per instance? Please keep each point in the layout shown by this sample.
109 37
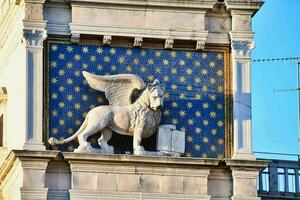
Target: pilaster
34 34
242 44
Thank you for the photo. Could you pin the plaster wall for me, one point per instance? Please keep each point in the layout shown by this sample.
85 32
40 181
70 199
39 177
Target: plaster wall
13 74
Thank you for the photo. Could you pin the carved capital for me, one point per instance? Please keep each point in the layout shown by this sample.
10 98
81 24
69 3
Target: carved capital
75 37
200 44
34 38
169 43
242 48
107 39
138 41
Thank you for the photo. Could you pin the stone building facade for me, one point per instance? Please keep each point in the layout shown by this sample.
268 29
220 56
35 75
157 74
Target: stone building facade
31 30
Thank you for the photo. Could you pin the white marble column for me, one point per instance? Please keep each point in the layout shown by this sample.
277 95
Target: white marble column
241 45
34 84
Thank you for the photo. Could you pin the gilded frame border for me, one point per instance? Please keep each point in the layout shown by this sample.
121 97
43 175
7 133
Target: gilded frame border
228 146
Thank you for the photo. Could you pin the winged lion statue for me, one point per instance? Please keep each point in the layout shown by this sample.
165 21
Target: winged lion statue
139 118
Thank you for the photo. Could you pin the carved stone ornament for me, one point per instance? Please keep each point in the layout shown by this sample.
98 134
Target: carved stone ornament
75 38
169 43
139 118
34 38
243 48
200 44
138 41
107 39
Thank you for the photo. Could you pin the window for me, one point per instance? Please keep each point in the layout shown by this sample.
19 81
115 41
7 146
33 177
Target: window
281 182
265 180
292 180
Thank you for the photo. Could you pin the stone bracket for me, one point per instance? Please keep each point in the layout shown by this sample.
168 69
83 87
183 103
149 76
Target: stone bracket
138 41
107 39
169 43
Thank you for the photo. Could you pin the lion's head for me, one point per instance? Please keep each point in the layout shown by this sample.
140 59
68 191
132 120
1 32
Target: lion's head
156 95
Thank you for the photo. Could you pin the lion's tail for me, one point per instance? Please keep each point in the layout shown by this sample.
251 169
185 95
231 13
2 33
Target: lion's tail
54 141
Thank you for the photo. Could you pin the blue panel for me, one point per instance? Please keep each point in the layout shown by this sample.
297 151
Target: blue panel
30 95
193 81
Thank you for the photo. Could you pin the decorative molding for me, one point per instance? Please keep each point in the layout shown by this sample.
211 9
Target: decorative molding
58 29
75 38
253 6
107 39
34 38
200 44
138 41
181 34
169 43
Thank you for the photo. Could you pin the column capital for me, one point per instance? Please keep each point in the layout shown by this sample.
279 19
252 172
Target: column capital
242 48
34 37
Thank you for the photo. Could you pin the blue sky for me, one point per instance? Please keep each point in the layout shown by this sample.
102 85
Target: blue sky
275 118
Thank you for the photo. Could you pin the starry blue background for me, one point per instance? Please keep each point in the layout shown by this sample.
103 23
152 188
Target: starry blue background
193 82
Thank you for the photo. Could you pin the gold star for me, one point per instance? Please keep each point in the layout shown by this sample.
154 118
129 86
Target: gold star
197 63
113 68
190 121
112 51
77 122
77 106
166 112
189 138
54 96
213 148
183 129
197 147
220 141
174 87
174 121
197 80
166 78
173 54
205 139
198 130
213 81
61 72
197 96
189 71
53 64
150 78
70 114
54 47
157 53
129 68
174 104
77 57
54 80
219 73
70 131
128 52
61 56
189 105
205 105
93 58
100 99
121 60
204 155
220 123
219 56
150 61
213 114
158 70
99 50
220 89
181 96
85 49
204 71
174 71
54 130
188 54
204 88
182 79
205 122
77 89
143 69
84 97
106 59
212 64
213 97
84 65
70 97
69 49
143 53
219 106
181 62
136 61
54 113
69 65
61 122
213 131
61 104
182 113
165 62
167 95
189 88
204 55
198 113
77 73
61 88
69 81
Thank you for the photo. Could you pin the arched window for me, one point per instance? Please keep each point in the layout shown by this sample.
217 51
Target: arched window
3 102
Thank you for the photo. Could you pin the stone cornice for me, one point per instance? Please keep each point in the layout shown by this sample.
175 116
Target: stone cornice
192 4
250 5
249 164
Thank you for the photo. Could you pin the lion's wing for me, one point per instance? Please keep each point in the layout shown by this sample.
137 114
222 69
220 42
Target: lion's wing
118 88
